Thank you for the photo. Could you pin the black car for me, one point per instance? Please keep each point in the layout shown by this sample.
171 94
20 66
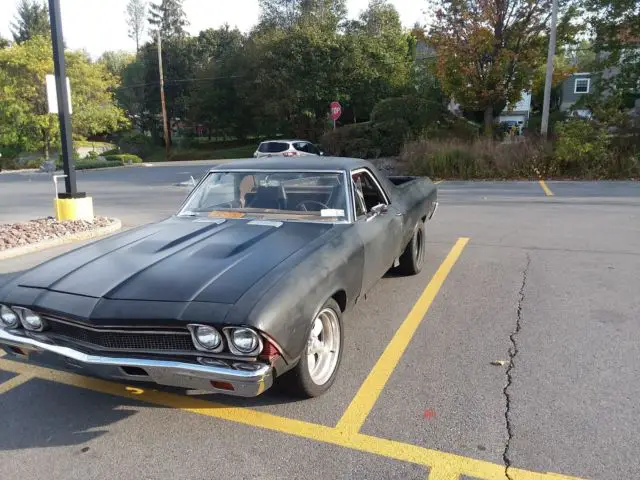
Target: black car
247 282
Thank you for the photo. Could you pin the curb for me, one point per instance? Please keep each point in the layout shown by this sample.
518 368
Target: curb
55 242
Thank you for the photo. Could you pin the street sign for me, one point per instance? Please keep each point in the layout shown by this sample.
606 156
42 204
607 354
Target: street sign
52 94
336 110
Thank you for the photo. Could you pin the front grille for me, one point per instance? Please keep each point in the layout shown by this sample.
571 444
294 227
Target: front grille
122 340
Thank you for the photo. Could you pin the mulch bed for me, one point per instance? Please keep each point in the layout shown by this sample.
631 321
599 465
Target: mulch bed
34 231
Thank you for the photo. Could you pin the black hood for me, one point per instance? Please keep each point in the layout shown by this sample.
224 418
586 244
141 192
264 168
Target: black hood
178 260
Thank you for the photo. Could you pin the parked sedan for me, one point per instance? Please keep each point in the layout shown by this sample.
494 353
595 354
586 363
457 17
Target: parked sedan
286 148
247 283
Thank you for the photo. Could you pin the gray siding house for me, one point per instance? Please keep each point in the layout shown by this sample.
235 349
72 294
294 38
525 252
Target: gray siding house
575 87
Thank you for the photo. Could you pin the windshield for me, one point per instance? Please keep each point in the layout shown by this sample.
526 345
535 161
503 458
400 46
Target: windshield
303 196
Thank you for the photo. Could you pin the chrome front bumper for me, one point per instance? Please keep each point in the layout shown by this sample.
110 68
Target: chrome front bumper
194 376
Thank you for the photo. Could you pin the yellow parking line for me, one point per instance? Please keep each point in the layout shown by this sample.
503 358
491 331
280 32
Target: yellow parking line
370 390
14 382
547 190
435 460
444 473
442 465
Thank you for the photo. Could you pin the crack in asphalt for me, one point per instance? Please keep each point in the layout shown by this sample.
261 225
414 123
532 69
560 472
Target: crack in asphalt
513 351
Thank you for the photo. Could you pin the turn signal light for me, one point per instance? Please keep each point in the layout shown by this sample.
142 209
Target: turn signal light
269 352
222 385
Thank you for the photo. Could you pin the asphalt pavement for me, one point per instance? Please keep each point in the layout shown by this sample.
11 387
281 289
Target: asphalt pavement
527 355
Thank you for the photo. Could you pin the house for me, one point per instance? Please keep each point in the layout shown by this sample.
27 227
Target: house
573 89
517 114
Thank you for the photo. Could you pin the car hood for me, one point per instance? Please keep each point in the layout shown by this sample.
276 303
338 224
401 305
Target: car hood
177 260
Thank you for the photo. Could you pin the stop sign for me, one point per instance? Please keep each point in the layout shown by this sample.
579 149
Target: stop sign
336 111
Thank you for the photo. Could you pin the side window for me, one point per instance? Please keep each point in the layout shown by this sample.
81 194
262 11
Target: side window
366 191
361 209
311 148
300 146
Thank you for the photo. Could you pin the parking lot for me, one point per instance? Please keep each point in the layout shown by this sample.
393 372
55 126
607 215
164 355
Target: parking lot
517 346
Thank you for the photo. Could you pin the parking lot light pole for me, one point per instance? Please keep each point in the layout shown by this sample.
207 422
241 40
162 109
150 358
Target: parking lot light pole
71 205
63 101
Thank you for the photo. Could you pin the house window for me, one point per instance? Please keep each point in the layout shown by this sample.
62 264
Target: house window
581 85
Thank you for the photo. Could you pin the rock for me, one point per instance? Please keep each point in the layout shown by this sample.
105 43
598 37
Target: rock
34 231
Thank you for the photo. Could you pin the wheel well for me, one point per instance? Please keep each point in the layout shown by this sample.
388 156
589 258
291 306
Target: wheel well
341 299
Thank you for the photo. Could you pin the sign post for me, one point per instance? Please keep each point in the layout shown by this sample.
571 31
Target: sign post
336 112
71 205
64 115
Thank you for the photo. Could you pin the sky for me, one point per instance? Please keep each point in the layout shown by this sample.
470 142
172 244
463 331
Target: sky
99 25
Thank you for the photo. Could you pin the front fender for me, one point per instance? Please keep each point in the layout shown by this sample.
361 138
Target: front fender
285 309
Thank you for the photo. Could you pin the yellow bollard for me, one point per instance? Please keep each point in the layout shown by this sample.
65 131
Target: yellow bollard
73 208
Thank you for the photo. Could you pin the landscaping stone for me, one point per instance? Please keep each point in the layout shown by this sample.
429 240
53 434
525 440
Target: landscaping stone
35 231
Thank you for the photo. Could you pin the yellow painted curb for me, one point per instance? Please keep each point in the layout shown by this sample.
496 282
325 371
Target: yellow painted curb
55 242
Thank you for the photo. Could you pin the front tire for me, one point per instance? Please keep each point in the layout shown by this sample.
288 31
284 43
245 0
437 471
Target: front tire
412 259
317 368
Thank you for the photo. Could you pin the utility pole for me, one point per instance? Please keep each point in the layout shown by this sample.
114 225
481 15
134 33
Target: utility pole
64 116
544 127
165 127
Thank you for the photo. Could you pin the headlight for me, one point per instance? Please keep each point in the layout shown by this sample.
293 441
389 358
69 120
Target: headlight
30 320
8 318
245 340
207 338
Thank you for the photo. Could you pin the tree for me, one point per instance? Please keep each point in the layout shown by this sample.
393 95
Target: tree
287 13
487 52
136 18
168 18
615 26
32 19
4 43
25 123
116 61
380 57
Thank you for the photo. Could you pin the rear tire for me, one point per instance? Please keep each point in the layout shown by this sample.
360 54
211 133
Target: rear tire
315 372
412 259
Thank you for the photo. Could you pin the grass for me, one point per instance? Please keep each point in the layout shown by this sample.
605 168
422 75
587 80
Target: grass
177 153
89 143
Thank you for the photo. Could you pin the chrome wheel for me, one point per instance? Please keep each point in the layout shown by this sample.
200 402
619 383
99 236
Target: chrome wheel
323 346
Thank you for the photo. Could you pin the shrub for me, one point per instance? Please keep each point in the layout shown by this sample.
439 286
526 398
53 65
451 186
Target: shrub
357 140
483 158
92 164
136 143
124 158
416 113
395 121
582 149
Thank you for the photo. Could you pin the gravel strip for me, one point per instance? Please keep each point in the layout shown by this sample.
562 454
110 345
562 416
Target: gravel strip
14 235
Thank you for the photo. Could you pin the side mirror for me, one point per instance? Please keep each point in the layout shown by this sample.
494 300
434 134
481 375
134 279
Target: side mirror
380 209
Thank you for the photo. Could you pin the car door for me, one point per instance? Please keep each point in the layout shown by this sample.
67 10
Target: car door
380 229
302 148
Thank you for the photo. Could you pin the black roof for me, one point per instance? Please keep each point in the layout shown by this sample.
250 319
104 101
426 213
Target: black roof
308 162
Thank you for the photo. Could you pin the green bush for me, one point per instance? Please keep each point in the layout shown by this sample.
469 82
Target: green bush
124 158
93 164
416 113
358 140
394 121
582 149
136 143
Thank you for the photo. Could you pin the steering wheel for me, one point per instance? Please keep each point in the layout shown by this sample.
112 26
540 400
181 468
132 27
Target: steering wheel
304 203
